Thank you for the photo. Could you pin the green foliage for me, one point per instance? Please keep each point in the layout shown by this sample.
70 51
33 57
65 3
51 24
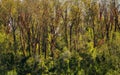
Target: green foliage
50 37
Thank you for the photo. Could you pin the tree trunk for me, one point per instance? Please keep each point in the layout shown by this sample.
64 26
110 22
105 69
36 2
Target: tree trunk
107 31
28 41
14 35
71 37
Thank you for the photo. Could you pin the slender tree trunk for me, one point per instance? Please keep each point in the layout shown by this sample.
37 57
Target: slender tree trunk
71 37
14 38
66 35
44 40
116 23
22 47
38 42
94 35
107 31
28 41
52 41
14 35
66 29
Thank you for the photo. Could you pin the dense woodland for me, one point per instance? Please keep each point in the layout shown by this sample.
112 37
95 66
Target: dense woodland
57 37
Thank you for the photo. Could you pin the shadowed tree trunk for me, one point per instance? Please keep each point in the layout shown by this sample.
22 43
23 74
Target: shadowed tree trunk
52 40
66 29
38 37
12 23
71 27
28 41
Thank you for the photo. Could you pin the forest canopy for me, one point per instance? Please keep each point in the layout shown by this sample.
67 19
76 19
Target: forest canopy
59 37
